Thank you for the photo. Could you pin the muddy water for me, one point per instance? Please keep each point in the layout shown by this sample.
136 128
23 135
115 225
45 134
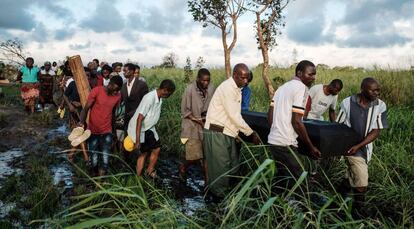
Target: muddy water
7 169
189 195
62 173
6 163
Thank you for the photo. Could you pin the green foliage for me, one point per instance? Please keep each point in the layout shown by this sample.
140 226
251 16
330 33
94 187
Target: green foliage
188 71
209 12
200 62
45 117
169 61
11 95
33 191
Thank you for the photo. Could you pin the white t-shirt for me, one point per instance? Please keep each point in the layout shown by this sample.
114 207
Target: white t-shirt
129 85
150 108
106 82
320 102
50 72
290 97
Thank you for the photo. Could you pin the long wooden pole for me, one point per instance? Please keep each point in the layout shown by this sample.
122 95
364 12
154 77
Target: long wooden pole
81 80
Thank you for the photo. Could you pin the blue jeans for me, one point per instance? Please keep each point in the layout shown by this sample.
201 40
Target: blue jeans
101 142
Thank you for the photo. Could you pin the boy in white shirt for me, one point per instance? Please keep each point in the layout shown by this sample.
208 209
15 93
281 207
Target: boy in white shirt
321 97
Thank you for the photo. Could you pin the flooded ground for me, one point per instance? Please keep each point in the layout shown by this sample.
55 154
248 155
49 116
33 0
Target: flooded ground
189 194
8 161
31 157
27 140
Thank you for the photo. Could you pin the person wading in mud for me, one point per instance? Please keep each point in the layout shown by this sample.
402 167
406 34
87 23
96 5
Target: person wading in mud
101 102
194 104
366 114
132 93
285 117
142 135
223 124
72 100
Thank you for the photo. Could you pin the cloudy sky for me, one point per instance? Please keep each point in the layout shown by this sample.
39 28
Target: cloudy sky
334 32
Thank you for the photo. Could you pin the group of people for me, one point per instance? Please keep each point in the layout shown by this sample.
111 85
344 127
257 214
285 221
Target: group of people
32 91
214 137
121 107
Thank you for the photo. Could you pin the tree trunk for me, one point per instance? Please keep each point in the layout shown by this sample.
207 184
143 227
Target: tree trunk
227 63
227 66
265 55
265 73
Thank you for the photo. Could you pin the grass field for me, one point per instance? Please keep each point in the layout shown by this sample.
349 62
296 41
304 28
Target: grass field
124 200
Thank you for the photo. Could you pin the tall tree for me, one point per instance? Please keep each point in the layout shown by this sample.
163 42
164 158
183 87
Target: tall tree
169 61
200 62
188 71
268 21
222 14
12 51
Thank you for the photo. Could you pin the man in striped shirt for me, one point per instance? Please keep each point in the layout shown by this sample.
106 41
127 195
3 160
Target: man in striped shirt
367 115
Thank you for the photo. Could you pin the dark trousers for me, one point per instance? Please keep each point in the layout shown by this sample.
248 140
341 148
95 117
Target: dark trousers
222 161
290 166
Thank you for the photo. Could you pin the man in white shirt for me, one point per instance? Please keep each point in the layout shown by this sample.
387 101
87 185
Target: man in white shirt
223 123
285 116
321 97
141 128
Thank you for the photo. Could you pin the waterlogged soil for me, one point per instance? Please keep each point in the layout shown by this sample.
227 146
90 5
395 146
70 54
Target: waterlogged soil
24 137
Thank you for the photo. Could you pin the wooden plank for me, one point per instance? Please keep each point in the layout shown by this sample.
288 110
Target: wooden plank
81 80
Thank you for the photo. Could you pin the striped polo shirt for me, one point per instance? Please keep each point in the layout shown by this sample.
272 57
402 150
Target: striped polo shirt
363 120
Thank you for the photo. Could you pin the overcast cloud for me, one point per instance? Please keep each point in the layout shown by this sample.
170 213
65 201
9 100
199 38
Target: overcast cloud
337 32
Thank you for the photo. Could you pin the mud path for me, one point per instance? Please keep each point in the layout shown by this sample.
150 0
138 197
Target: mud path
33 159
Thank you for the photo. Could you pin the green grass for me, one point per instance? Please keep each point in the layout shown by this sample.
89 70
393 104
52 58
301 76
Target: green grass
126 201
11 95
33 191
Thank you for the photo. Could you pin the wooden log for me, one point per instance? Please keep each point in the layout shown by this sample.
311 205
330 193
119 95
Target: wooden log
81 80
